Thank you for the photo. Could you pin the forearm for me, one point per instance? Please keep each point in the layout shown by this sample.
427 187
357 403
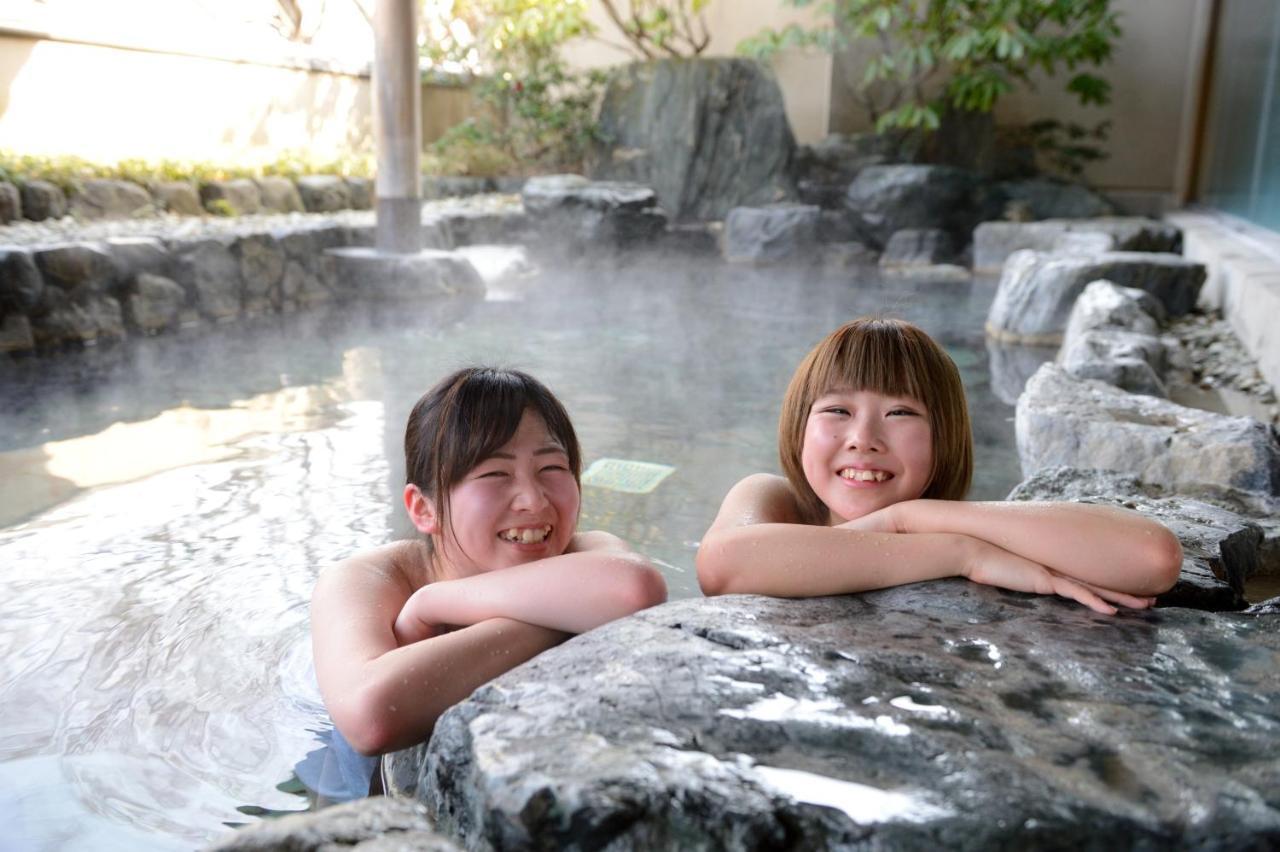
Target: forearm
1101 545
393 701
573 593
798 560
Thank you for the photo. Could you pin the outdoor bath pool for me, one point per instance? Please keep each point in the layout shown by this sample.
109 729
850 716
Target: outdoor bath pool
166 504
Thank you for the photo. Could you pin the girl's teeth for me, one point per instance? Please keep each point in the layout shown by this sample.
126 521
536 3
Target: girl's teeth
864 475
526 536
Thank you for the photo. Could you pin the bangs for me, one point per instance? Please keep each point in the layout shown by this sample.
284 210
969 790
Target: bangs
880 358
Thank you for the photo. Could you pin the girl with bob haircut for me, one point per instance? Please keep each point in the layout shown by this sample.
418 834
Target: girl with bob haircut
403 632
875 443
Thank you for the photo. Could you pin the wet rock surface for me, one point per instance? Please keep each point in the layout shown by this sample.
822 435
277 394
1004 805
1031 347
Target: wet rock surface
1112 336
993 242
369 825
1063 421
588 213
884 199
935 714
770 234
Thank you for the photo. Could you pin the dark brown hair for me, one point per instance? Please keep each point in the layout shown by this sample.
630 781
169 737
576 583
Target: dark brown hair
887 356
467 417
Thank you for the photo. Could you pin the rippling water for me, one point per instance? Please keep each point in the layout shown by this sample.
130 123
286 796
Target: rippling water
166 504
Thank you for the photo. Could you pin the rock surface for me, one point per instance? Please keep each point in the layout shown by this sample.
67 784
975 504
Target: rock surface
993 242
323 193
43 200
111 199
707 134
1044 198
1112 336
1037 290
1063 421
770 234
587 213
1220 548
368 825
10 202
241 195
885 199
934 714
918 247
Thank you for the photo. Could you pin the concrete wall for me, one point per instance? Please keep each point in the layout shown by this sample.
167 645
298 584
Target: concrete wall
1154 73
108 103
804 77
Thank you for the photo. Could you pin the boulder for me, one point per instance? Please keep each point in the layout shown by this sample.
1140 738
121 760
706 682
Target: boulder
15 334
154 304
135 255
82 316
1220 548
43 200
454 186
779 232
279 195
1037 290
21 285
261 262
110 199
361 191
592 213
241 195
210 274
825 169
918 247
993 242
323 193
1045 198
380 824
178 196
1111 336
707 134
10 202
1063 421
1012 364
935 713
74 265
367 274
885 199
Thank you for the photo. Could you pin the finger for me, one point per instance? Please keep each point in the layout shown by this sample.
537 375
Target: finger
1123 598
1077 592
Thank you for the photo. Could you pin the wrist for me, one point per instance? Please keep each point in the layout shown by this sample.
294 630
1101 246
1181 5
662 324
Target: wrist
970 553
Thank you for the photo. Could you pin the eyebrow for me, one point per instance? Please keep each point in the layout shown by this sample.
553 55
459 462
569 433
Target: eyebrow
544 451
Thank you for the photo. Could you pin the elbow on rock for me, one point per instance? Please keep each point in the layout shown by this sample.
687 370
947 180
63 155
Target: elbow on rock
646 586
366 725
713 579
1166 560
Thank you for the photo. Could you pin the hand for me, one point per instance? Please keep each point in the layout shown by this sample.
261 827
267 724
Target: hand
884 520
409 629
994 566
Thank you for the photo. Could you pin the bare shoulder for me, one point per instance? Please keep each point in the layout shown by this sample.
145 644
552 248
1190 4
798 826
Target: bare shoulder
596 540
396 569
762 498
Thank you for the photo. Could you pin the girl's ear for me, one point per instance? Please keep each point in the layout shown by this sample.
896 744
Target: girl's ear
422 510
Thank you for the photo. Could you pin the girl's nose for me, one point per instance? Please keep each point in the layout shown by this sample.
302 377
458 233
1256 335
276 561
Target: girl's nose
529 496
863 436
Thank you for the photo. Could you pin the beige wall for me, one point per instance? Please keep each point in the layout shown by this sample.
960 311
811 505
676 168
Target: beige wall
1153 76
804 77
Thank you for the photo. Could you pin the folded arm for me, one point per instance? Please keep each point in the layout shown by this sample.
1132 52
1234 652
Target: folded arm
1105 547
596 582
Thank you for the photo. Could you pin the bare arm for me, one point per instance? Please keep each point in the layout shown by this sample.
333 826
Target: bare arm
382 696
598 581
1105 547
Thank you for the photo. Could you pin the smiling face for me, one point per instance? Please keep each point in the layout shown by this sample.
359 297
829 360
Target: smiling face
518 505
865 450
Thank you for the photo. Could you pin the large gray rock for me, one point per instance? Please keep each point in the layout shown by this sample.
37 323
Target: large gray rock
154 304
43 200
72 265
707 134
934 714
380 824
1111 336
136 255
79 316
367 274
21 285
15 334
1220 548
210 273
1044 198
993 242
241 194
110 199
10 202
885 199
770 234
1063 421
825 169
278 194
262 263
593 213
1037 290
918 247
179 197
323 193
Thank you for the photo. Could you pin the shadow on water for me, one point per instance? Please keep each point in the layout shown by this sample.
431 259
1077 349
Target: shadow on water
156 663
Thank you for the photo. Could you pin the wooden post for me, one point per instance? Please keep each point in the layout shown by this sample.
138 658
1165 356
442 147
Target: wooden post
397 98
